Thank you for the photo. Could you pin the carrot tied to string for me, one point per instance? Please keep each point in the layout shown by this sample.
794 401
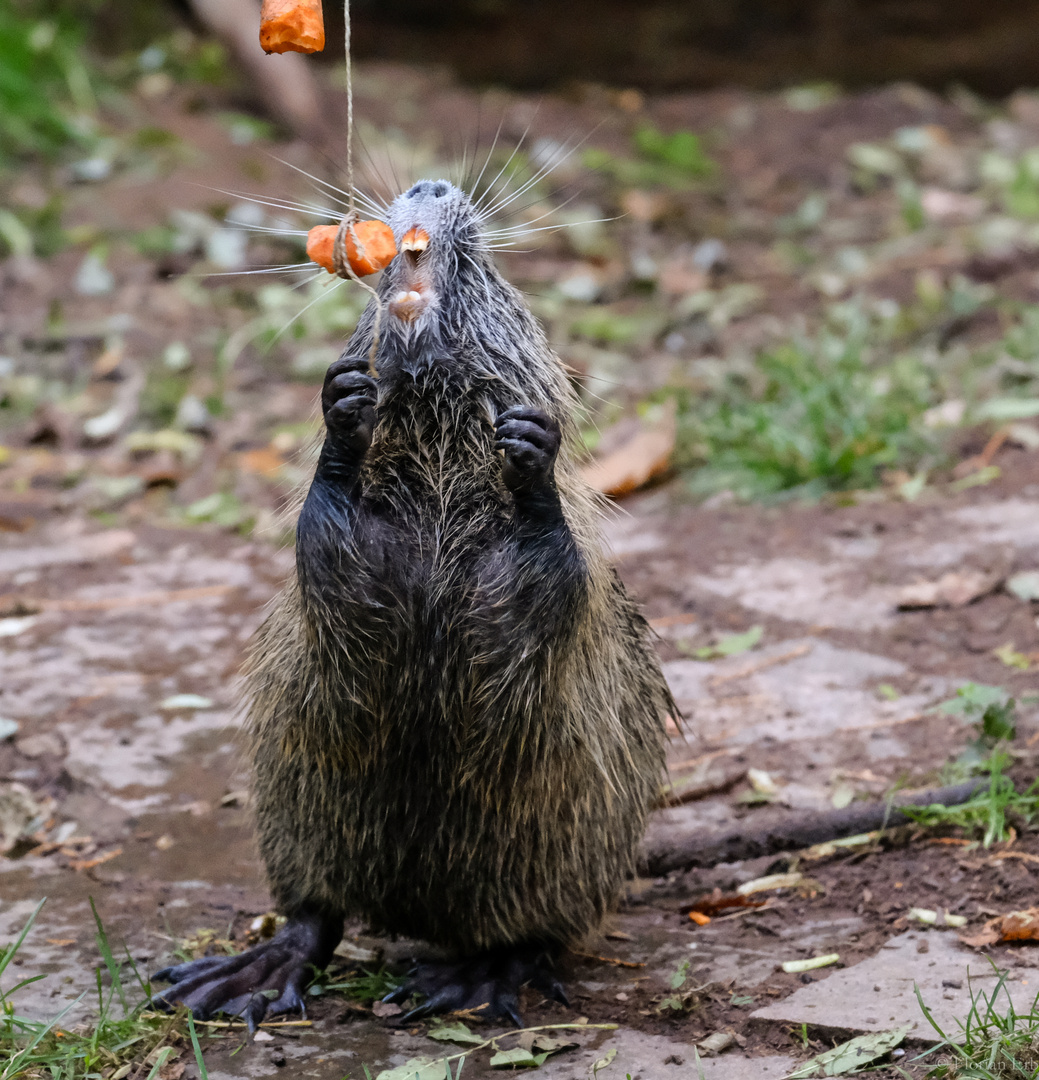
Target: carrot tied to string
292 26
365 247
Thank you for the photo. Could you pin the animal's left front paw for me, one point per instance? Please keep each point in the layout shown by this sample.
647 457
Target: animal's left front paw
530 440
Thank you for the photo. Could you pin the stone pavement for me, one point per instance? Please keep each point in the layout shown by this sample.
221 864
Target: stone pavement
130 624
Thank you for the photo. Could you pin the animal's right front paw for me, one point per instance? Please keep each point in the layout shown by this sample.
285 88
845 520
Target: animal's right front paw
348 402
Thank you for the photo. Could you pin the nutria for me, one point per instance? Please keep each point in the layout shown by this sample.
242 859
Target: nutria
457 718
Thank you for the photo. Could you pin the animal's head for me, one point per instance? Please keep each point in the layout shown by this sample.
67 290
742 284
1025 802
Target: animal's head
441 249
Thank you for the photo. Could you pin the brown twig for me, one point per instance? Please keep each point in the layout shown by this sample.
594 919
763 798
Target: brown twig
684 851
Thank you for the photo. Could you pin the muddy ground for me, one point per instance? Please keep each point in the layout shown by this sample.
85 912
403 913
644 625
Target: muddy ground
123 618
148 789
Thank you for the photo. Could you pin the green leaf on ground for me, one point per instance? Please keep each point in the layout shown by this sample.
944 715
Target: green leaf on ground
422 1068
456 1033
1024 586
520 1056
849 1057
732 645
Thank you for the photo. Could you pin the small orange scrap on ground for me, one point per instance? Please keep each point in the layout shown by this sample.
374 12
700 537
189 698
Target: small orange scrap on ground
374 250
292 26
699 918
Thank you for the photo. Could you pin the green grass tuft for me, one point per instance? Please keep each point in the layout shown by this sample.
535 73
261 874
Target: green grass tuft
120 1041
995 1042
991 712
362 985
815 415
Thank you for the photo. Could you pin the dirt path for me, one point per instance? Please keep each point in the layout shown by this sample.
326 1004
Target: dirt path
123 682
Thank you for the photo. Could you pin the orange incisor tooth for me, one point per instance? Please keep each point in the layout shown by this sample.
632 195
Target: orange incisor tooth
415 239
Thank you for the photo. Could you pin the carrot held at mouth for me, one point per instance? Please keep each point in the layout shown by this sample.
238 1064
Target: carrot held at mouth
373 249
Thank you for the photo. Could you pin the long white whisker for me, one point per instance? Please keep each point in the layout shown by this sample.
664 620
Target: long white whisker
267 229
539 202
520 231
359 196
526 225
307 307
487 160
567 152
524 188
300 208
278 204
478 207
388 191
289 268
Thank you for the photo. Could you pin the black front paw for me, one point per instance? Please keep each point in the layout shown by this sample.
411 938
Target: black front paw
348 402
530 440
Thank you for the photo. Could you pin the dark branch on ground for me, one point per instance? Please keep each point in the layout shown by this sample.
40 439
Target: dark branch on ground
664 853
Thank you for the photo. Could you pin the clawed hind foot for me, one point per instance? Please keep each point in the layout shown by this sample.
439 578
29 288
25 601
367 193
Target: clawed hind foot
268 978
488 984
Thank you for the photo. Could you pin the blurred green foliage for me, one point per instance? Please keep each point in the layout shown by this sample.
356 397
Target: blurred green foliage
46 96
682 150
677 160
816 415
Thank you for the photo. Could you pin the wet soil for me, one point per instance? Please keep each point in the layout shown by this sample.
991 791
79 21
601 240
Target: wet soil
158 790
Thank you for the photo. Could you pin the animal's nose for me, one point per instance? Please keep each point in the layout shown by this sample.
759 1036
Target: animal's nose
426 188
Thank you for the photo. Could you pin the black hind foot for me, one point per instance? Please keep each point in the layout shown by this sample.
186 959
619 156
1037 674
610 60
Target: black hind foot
268 978
487 984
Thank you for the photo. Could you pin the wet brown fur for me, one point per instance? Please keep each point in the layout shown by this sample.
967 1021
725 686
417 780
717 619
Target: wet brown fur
456 731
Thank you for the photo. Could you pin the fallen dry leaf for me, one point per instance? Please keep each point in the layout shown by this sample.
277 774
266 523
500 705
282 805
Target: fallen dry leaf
615 961
21 813
716 1043
265 461
954 589
718 901
1015 926
643 457
89 864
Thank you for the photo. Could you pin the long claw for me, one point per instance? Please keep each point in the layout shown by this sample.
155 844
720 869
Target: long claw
488 984
255 1011
245 984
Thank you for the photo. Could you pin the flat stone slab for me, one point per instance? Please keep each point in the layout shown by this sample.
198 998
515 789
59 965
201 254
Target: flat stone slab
657 1057
815 593
880 993
802 688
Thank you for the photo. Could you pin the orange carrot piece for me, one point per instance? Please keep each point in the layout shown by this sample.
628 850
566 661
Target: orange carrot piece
320 241
374 250
292 26
699 918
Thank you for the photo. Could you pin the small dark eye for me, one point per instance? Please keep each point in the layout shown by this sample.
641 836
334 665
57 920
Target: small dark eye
440 189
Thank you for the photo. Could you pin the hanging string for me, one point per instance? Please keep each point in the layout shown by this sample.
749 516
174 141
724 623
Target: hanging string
349 222
351 211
